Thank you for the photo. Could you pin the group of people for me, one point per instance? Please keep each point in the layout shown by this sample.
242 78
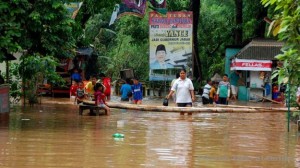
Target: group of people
133 93
95 90
214 92
182 90
220 93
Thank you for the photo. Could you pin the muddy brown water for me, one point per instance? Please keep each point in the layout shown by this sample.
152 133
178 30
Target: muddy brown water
54 135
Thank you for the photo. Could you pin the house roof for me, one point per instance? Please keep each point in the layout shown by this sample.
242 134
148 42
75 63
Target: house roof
9 57
260 49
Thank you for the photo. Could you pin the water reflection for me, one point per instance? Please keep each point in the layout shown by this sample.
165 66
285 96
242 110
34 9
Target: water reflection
56 136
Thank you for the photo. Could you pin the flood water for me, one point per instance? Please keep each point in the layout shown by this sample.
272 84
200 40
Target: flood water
54 135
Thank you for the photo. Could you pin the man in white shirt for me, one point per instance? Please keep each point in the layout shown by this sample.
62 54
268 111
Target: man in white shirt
184 91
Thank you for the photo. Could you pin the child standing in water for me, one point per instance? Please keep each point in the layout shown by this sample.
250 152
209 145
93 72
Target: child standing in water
80 93
137 91
100 98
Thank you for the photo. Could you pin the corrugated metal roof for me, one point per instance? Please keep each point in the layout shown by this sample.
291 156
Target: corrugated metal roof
260 49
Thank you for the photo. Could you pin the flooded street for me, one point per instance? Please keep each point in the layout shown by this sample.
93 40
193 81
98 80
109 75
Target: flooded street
54 135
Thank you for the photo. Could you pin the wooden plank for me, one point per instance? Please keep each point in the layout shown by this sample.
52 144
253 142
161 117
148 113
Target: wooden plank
83 107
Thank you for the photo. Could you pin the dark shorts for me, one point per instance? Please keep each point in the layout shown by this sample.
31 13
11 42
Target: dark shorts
205 100
184 104
223 100
124 99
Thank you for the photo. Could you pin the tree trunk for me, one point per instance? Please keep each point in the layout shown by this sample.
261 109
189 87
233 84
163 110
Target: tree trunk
239 22
197 70
261 27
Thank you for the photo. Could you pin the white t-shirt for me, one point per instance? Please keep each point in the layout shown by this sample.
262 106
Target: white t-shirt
206 91
183 88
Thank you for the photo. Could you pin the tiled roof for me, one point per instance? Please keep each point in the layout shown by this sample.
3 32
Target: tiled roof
260 49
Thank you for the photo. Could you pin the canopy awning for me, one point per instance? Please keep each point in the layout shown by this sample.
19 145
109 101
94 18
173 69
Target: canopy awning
251 65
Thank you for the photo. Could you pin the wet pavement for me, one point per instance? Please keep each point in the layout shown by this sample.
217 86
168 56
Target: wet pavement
54 135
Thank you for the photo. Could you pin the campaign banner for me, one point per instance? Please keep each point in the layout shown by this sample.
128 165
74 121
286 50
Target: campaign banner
170 40
132 7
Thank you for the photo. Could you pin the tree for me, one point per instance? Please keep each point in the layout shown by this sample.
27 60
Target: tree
253 16
195 7
10 30
47 29
42 31
239 22
285 26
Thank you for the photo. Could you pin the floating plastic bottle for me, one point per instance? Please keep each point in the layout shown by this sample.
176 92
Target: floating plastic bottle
118 135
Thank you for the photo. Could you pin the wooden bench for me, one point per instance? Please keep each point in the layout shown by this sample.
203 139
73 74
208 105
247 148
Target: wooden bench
96 109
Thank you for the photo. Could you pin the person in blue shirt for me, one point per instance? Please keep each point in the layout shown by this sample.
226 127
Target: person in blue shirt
76 76
160 62
137 91
126 90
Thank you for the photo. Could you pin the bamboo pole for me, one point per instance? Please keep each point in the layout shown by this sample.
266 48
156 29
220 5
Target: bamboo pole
251 107
269 99
188 109
238 106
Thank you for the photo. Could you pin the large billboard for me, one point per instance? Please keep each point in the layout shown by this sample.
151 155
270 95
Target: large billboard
170 39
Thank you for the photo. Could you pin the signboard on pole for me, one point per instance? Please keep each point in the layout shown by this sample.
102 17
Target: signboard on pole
170 39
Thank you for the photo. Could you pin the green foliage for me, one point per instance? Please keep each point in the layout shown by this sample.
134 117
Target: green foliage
178 5
131 49
15 83
9 28
40 29
215 32
119 47
33 69
36 26
252 19
48 29
286 28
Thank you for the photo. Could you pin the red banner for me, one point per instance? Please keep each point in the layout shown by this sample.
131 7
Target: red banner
251 65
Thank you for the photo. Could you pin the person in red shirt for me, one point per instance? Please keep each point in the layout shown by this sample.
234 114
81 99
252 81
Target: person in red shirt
106 81
73 89
100 98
